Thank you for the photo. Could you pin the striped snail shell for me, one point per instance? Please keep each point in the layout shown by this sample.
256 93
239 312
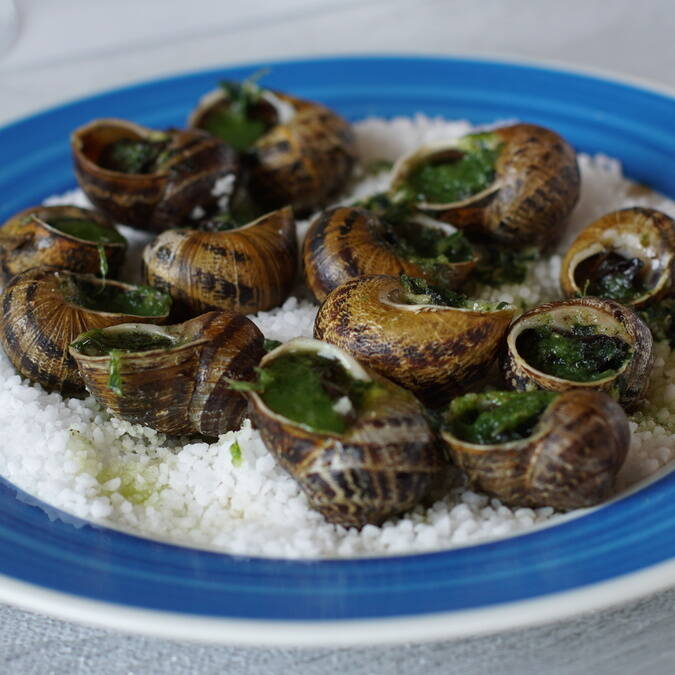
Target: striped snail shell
347 242
569 461
247 269
386 461
535 187
430 349
41 316
28 239
180 388
303 159
189 172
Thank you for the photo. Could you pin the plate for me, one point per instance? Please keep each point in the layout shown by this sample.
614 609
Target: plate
57 564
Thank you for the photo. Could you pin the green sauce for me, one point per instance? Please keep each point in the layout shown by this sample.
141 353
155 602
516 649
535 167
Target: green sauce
468 171
418 292
135 156
241 211
99 342
610 275
497 416
498 265
660 317
89 230
580 355
235 454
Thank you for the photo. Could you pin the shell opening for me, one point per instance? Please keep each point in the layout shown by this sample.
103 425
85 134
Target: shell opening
131 337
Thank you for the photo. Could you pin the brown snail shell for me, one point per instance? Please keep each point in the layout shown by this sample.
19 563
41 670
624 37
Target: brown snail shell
570 461
536 187
28 240
246 270
348 242
182 389
432 350
628 383
303 160
39 320
388 461
635 232
159 200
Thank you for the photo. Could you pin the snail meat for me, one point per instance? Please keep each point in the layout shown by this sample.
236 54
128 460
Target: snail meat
361 448
539 448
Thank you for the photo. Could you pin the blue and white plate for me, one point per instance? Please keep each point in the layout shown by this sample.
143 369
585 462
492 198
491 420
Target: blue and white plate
75 570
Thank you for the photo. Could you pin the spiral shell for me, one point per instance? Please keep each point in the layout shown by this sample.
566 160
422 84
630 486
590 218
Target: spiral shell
246 270
536 187
432 350
304 159
28 240
570 461
39 320
628 383
197 165
348 242
182 389
388 461
642 233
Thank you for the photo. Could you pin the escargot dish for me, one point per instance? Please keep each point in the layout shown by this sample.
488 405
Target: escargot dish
539 448
172 378
151 179
79 240
626 255
297 152
429 340
582 343
348 242
516 183
358 445
245 269
45 308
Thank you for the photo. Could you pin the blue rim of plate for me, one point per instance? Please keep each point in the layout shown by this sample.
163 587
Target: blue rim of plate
55 552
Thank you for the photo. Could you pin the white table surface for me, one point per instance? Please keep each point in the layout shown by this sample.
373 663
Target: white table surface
70 48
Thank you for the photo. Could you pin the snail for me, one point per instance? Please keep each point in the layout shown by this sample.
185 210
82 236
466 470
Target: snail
172 378
358 445
584 343
151 179
298 153
428 340
626 255
517 183
539 448
246 269
349 241
76 239
45 308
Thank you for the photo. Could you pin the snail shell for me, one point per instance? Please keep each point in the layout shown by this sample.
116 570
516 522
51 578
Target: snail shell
197 164
646 234
303 160
182 389
535 188
432 350
628 383
40 319
570 461
348 242
247 269
28 240
388 461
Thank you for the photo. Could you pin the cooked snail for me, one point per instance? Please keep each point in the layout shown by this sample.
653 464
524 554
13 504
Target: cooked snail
246 269
517 183
76 239
299 153
627 255
151 179
539 448
358 445
45 308
428 340
349 241
172 378
585 343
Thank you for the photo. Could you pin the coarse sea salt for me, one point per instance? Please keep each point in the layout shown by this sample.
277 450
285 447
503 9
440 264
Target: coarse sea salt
73 455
